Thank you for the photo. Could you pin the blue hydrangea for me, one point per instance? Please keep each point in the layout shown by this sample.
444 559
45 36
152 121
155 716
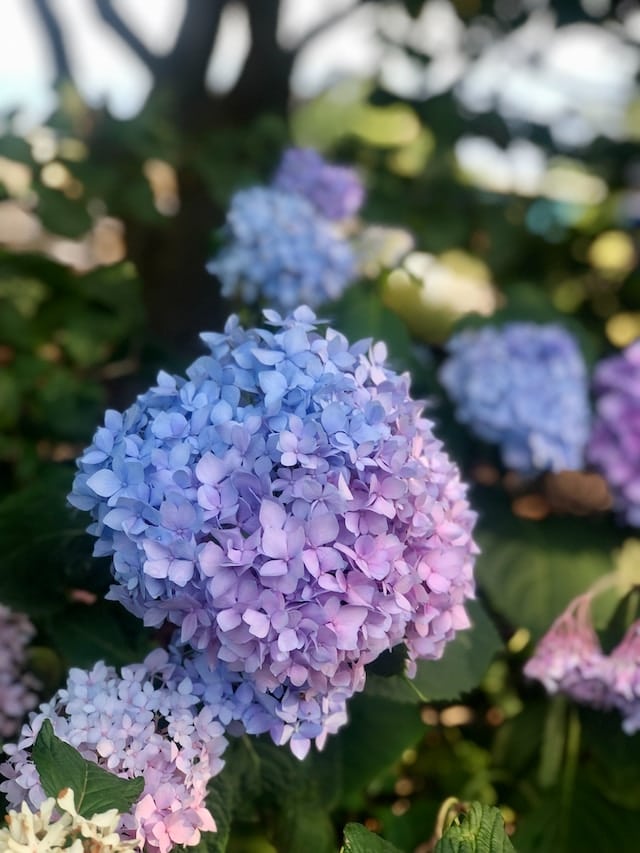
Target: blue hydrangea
290 510
335 191
523 387
281 252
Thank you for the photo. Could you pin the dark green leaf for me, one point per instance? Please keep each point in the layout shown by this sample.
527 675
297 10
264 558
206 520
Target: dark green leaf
358 839
530 570
464 662
478 830
96 790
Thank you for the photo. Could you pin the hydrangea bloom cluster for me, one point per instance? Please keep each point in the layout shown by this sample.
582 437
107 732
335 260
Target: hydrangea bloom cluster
524 387
281 251
17 687
147 722
614 445
569 658
290 510
335 191
44 832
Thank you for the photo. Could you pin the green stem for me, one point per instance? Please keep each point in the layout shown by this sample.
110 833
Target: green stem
571 756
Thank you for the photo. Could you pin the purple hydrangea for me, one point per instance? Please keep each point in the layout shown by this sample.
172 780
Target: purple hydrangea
624 679
570 660
523 387
281 252
147 722
288 507
17 687
335 191
614 445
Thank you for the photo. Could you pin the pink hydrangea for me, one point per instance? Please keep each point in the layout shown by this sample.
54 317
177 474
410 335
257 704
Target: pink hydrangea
145 722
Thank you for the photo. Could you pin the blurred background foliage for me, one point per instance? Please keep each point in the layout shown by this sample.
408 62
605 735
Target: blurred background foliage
497 135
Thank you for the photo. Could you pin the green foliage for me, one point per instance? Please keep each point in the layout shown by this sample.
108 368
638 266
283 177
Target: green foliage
358 839
61 766
479 829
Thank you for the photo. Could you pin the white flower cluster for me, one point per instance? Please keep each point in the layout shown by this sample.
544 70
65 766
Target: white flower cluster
44 832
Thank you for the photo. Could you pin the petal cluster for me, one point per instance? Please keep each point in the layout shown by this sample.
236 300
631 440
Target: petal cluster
146 722
614 445
44 831
290 510
281 251
17 687
523 387
335 191
569 659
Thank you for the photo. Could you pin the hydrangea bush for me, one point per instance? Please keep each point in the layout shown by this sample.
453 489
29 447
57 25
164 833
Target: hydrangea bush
288 507
614 445
18 687
569 659
523 387
335 191
280 251
147 722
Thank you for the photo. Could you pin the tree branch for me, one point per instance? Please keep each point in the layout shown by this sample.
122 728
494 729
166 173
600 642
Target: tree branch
186 65
263 85
55 38
112 18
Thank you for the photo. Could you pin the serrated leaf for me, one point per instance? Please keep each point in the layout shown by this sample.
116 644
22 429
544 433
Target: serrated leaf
96 790
358 839
465 660
479 830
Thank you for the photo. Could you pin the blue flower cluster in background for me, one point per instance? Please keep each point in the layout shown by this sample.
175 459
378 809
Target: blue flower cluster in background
290 510
281 252
523 387
335 191
614 446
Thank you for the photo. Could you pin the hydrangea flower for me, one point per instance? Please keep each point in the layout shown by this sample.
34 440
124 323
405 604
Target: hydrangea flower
624 678
523 387
614 445
290 510
17 687
43 832
281 251
147 722
335 191
570 660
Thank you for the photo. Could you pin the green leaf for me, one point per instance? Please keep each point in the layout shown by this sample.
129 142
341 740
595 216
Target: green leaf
96 790
230 791
378 732
465 660
478 830
297 796
358 839
530 570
